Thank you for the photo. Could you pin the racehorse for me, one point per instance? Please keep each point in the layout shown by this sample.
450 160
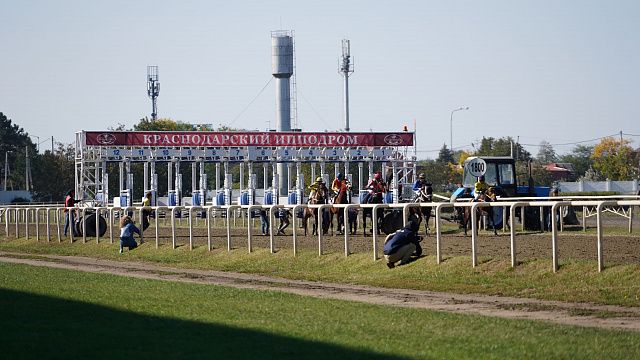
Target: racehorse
319 197
487 211
372 199
424 195
341 198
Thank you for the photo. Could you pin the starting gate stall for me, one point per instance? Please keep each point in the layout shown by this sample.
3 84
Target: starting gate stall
94 149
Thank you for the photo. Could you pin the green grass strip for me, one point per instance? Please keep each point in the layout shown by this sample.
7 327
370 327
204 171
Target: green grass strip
55 313
576 281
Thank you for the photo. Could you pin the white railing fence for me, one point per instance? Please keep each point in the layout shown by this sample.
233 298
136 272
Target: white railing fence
28 217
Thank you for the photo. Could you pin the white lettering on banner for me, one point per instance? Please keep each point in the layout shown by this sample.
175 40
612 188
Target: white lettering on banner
243 139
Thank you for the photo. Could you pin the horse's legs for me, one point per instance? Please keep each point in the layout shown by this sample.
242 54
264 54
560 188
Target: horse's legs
466 215
364 223
341 227
493 224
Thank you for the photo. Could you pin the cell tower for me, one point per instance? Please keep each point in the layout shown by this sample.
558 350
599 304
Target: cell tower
346 69
153 89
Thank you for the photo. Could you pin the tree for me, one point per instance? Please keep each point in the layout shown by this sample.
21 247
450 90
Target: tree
59 166
164 124
580 158
546 154
16 142
541 177
440 174
445 155
614 159
502 147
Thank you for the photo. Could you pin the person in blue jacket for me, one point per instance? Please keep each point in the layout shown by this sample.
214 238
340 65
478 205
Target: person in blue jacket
127 229
402 245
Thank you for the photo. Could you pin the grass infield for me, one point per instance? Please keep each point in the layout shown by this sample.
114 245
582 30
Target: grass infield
55 313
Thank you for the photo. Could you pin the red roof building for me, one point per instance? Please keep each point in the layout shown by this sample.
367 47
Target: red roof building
560 171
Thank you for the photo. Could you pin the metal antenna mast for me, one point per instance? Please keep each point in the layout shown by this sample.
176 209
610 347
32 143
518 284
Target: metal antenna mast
153 88
346 69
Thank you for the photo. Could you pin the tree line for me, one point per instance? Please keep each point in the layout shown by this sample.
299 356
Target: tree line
611 158
53 171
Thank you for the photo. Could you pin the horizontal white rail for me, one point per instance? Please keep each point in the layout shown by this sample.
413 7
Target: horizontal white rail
31 215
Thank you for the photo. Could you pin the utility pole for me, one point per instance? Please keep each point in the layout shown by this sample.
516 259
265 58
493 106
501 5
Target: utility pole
6 169
153 89
346 69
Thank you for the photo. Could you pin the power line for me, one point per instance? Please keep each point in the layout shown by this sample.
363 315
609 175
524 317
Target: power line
314 109
537 145
574 143
251 102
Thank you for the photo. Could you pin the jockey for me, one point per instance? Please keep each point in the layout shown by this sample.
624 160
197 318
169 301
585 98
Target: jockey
376 186
319 184
338 183
480 187
420 184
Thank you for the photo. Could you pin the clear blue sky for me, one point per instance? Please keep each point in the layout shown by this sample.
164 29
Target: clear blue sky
560 71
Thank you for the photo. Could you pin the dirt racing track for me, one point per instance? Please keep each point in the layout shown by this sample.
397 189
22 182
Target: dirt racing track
619 247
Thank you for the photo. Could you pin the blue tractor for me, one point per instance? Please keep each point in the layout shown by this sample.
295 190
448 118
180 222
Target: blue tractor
500 172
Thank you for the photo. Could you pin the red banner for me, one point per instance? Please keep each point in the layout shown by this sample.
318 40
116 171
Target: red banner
239 139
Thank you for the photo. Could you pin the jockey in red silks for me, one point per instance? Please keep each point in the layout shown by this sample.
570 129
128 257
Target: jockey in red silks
376 186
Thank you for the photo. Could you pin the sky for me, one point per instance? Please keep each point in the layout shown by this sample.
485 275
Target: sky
564 72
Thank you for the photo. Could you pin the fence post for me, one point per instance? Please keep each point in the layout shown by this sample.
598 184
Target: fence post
474 235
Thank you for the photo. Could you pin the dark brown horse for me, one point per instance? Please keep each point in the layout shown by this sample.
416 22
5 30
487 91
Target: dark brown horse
366 212
319 197
341 198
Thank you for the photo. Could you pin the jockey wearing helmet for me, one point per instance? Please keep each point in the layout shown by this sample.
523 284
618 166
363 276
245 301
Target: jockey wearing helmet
421 184
319 184
376 186
480 187
338 183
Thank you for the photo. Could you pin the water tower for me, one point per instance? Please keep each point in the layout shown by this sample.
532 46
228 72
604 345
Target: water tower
282 70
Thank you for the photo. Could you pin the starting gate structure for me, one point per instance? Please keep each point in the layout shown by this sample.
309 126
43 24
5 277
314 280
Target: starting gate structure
94 149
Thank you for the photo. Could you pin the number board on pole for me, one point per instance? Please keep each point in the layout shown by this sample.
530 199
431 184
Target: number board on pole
285 154
382 153
259 154
116 153
215 154
310 153
166 154
333 154
237 154
140 153
190 154
358 154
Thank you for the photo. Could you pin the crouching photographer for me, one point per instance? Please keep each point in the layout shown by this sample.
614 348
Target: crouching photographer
403 246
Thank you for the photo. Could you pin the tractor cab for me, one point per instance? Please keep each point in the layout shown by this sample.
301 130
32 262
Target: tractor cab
498 171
